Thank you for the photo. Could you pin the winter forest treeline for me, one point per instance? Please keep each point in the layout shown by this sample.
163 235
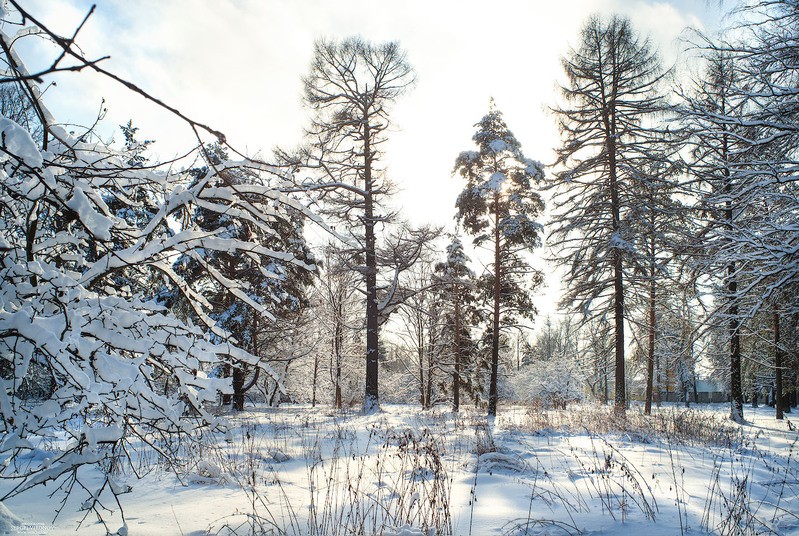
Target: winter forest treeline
139 298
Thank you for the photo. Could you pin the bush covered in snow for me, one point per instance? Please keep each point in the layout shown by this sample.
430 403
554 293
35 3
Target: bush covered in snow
89 234
548 384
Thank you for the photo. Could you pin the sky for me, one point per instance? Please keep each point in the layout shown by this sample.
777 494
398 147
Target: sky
237 66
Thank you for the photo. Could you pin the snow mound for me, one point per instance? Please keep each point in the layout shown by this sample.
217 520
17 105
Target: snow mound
405 530
278 456
497 462
8 521
208 473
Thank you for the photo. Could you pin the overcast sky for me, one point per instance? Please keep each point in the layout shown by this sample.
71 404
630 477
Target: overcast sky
237 66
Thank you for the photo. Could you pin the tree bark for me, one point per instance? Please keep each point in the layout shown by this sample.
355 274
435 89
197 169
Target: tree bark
456 375
656 395
338 342
238 383
227 370
430 363
779 399
650 360
31 230
493 393
314 380
620 399
609 119
420 360
736 385
371 399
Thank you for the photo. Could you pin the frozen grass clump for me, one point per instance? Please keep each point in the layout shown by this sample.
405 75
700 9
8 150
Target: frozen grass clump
685 426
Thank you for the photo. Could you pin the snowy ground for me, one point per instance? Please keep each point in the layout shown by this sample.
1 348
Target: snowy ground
301 470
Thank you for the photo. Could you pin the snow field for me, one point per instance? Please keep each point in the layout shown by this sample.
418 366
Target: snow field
299 470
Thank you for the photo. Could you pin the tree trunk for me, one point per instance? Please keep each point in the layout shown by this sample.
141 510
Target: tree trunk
371 401
779 399
30 236
456 375
686 388
430 360
736 386
620 401
650 359
314 380
493 393
239 375
338 343
337 396
657 394
227 398
420 360
429 386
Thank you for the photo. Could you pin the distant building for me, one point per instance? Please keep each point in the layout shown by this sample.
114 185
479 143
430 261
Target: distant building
710 391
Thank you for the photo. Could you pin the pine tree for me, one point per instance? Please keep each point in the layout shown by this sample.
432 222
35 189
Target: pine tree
715 139
662 223
499 207
766 60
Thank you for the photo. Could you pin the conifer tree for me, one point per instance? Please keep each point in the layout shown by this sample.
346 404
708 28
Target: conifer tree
611 102
499 207
257 278
457 299
350 88
717 156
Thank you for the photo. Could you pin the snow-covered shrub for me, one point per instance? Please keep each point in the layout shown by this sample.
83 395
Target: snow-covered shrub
88 236
548 384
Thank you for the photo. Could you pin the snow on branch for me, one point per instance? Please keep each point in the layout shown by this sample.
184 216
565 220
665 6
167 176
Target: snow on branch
93 357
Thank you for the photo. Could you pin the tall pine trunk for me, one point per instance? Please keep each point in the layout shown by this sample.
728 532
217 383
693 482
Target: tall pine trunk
620 399
493 393
338 342
420 360
456 374
736 385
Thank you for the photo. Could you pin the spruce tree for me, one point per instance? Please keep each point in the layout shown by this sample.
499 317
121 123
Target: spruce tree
456 296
